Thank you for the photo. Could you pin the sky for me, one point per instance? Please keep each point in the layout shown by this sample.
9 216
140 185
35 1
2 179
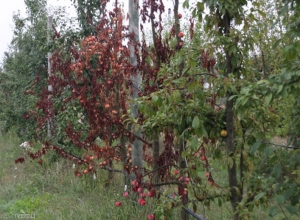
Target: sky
6 24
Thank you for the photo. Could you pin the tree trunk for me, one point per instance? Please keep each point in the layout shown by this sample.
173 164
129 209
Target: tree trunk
155 157
231 148
137 147
182 165
182 143
235 198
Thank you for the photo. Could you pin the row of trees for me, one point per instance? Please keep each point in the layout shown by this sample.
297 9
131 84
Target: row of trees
217 88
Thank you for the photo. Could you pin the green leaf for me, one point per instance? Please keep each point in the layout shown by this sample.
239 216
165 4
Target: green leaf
154 97
261 13
259 196
279 89
273 159
200 6
273 211
277 43
136 127
280 199
169 205
180 60
196 122
292 209
232 97
194 143
251 17
278 186
276 171
241 113
256 4
285 93
199 93
295 199
291 52
192 63
268 98
176 95
186 4
263 81
254 147
203 131
289 192
219 202
229 162
268 151
184 153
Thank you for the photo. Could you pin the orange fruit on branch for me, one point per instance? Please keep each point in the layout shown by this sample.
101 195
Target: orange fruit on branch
224 133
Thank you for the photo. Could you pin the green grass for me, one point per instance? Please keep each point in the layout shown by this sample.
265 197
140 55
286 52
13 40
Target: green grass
55 193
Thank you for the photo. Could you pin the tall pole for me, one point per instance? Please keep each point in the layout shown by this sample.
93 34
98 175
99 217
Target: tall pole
182 142
137 148
50 89
235 197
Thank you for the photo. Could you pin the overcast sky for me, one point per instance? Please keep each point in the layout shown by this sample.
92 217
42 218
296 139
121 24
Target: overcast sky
6 13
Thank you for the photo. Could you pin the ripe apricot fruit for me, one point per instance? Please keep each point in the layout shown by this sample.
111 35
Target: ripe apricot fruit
223 133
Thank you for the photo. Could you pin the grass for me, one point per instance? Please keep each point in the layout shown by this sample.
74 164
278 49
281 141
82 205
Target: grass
53 192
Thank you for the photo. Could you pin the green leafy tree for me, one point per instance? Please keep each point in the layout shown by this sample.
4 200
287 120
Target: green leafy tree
25 63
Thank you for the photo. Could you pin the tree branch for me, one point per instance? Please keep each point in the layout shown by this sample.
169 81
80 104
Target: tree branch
279 145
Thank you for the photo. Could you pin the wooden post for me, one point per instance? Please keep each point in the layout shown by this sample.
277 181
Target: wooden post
137 147
50 89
